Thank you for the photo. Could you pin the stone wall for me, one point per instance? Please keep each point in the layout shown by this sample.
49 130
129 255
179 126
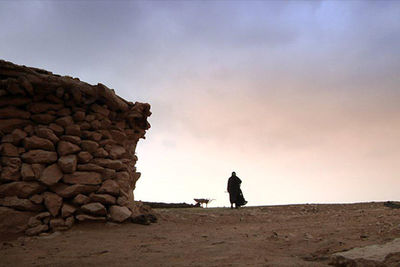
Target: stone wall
67 149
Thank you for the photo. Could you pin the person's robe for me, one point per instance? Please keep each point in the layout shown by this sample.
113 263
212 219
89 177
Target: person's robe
234 189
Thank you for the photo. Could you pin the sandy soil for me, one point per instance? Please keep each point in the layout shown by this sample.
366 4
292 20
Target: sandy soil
295 235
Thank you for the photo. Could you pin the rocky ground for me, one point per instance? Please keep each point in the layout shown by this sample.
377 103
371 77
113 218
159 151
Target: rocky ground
293 235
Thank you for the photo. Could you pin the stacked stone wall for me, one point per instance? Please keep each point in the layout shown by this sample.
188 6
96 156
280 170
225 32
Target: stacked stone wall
67 149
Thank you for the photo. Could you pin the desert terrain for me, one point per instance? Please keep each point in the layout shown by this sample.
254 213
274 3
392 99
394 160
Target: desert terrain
291 235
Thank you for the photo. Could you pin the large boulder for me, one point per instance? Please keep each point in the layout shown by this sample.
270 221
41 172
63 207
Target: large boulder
119 214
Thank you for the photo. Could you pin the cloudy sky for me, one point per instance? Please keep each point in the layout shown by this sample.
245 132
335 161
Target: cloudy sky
301 99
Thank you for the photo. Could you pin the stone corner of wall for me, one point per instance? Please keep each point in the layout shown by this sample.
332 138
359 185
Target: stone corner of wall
67 151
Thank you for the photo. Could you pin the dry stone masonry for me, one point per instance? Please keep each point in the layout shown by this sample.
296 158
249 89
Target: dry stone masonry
67 151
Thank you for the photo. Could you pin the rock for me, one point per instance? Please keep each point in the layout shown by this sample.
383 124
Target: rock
43 118
84 217
47 134
90 118
119 214
72 139
33 222
89 178
84 157
20 204
17 136
57 129
67 210
13 112
38 170
124 181
109 187
68 191
37 199
94 209
27 172
117 152
94 136
99 109
64 112
37 230
21 189
79 116
84 125
35 142
42 215
68 163
95 124
103 199
53 203
105 124
60 92
28 129
100 153
7 139
65 148
8 150
69 222
57 223
65 121
14 101
109 163
11 170
42 107
51 175
13 221
118 136
39 156
80 200
90 167
89 146
10 174
108 174
9 125
73 129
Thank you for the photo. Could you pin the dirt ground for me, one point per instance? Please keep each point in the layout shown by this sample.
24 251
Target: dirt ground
293 235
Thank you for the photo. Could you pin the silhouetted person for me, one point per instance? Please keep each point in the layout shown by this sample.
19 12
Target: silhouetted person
235 193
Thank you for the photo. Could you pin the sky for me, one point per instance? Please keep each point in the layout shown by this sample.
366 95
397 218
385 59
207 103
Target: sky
300 98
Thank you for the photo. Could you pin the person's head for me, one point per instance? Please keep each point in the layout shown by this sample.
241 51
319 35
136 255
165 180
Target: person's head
233 173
